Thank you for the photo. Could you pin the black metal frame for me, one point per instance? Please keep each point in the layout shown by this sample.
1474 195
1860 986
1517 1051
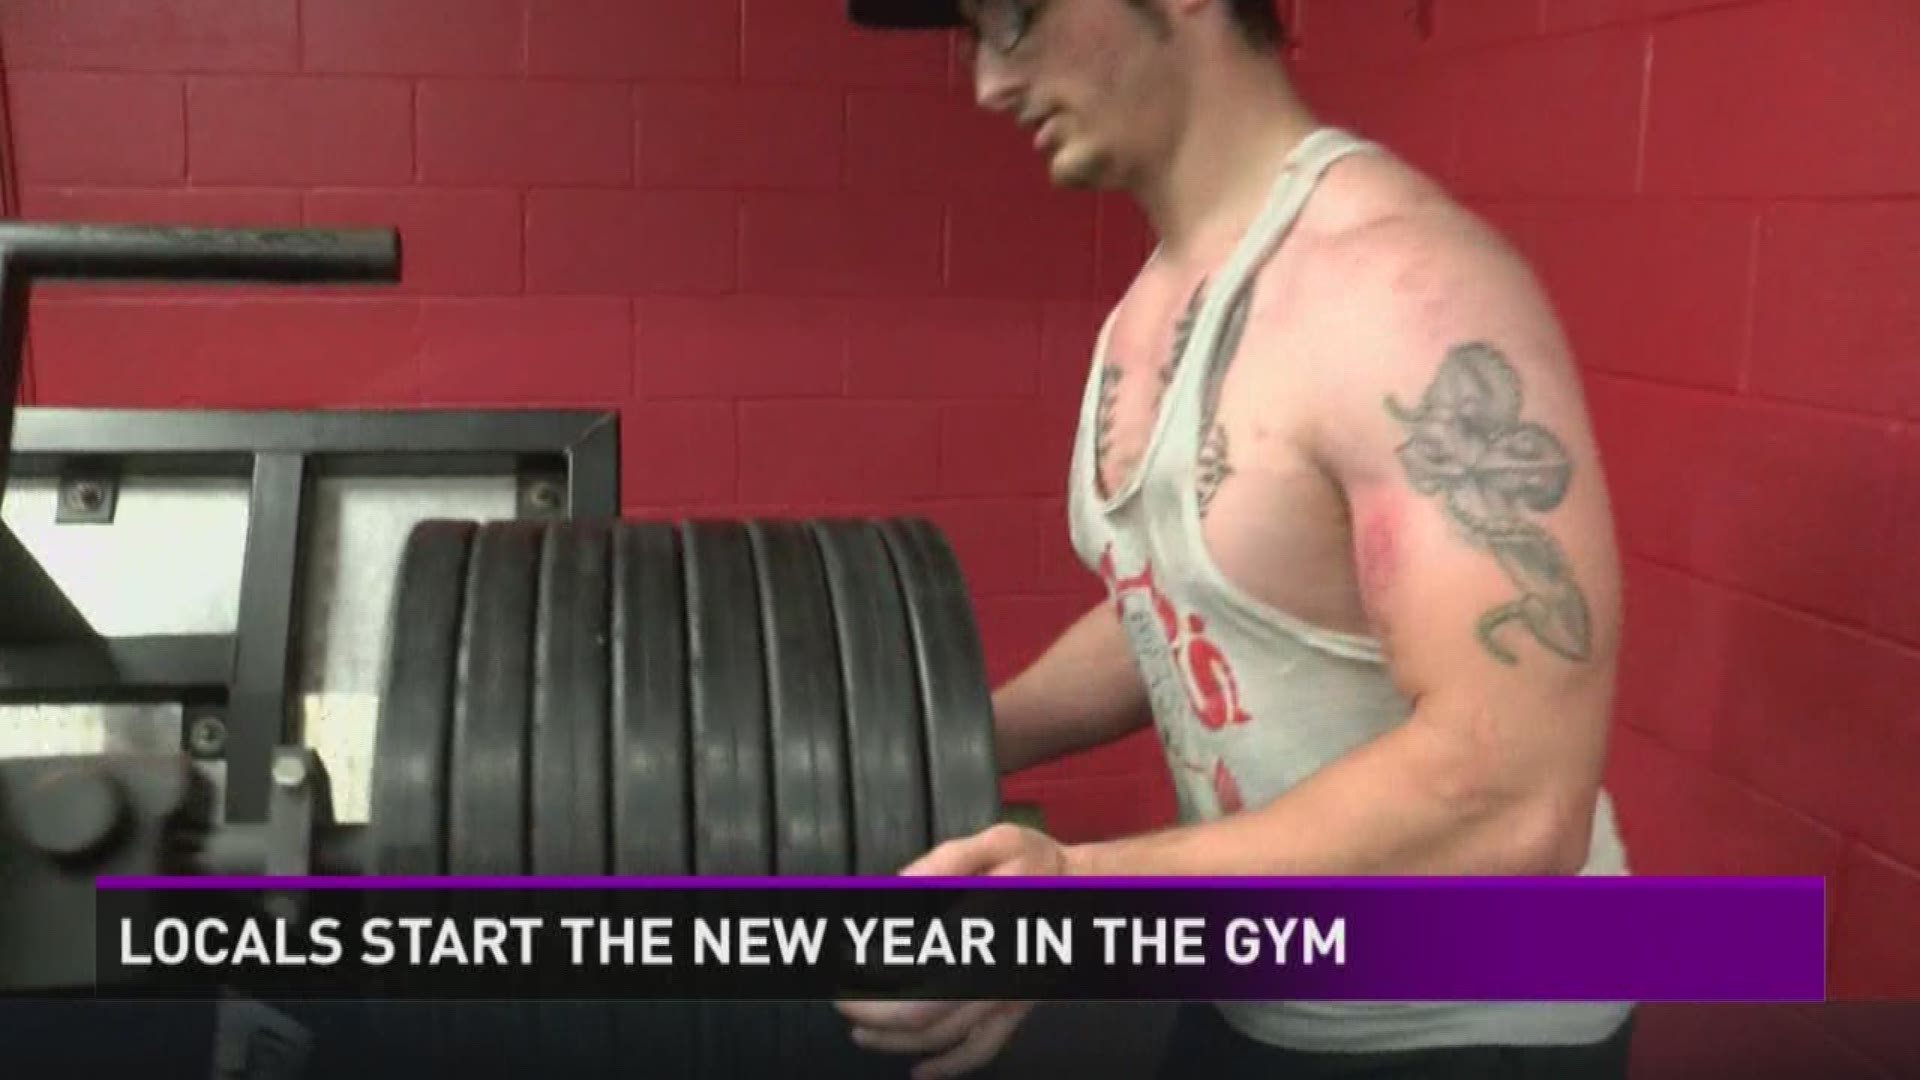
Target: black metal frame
47 652
47 649
46 251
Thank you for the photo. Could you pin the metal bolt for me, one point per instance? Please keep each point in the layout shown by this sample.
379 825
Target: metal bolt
86 495
290 772
207 735
544 496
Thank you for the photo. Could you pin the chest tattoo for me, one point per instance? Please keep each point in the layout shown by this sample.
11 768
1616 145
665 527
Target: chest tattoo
1103 416
1182 333
1215 464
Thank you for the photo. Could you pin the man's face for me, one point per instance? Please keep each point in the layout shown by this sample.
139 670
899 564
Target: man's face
1073 73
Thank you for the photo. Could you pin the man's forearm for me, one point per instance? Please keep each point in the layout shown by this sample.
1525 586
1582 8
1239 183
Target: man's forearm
1085 690
1406 803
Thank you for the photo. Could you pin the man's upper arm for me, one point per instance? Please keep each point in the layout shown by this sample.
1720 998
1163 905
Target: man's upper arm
1482 528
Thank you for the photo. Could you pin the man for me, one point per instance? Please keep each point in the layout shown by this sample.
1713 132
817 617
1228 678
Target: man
1335 469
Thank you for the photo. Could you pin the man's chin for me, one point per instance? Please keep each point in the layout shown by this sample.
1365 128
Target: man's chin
1085 173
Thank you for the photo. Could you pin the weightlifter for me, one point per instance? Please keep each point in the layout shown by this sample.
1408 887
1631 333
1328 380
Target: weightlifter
1335 470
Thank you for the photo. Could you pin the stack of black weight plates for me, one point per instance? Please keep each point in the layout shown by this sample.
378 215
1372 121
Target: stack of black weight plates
672 698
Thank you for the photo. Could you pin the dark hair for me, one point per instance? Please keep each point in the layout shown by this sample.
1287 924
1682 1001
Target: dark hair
1259 22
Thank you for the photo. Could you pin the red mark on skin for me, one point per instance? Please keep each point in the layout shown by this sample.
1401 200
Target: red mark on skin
1375 558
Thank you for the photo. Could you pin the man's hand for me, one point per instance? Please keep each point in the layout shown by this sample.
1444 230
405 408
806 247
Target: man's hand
963 1035
999 851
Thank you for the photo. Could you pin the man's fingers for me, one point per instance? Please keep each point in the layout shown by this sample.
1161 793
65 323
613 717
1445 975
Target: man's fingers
955 858
942 1034
979 1047
969 855
940 862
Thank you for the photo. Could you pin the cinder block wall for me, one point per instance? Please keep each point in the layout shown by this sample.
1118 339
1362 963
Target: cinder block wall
1721 196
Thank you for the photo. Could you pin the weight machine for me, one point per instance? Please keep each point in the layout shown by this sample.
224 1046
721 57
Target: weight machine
552 674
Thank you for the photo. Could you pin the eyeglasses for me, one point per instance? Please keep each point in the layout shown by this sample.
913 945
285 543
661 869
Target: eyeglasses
1001 25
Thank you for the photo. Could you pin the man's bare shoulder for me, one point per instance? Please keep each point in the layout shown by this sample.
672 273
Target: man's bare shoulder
1382 250
1441 396
1380 301
1406 257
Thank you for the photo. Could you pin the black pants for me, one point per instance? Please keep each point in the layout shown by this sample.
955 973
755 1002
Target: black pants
1204 1045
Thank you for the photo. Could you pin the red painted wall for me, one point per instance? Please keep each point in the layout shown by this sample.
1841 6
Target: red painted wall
1723 197
813 277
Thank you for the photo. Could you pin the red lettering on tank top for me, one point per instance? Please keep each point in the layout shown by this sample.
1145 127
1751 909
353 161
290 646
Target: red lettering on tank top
1225 788
1217 702
1143 582
1208 678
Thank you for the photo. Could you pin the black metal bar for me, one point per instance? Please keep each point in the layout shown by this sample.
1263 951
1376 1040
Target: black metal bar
292 812
125 252
593 471
40 432
162 667
33 607
343 850
13 343
241 850
263 658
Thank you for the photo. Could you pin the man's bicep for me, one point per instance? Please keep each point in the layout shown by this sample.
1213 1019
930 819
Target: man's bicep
1481 522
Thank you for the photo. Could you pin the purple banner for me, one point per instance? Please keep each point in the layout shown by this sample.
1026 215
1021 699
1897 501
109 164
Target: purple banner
1380 939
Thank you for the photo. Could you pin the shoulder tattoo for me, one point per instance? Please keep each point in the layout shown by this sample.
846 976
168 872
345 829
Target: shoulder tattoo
1467 446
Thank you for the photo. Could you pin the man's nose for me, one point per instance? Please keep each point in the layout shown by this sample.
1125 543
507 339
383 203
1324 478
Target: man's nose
996 85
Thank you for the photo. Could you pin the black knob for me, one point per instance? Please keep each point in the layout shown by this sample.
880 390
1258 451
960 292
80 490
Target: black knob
71 813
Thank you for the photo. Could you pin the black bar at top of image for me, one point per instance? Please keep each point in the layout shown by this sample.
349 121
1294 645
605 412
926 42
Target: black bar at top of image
128 252
51 432
13 344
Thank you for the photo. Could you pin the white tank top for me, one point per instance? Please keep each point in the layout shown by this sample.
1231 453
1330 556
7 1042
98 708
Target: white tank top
1247 699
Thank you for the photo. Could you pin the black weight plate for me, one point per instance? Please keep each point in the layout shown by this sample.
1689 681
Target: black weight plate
487 806
808 739
408 815
963 779
804 704
571 691
651 798
732 783
493 696
732 808
408 812
885 758
570 743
